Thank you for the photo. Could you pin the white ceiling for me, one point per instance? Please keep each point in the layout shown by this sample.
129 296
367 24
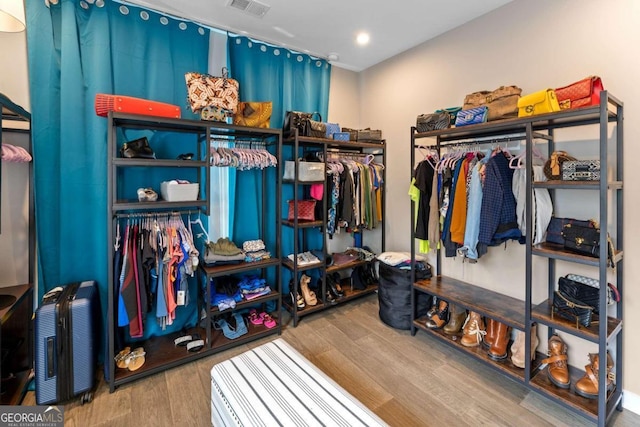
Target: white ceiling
324 27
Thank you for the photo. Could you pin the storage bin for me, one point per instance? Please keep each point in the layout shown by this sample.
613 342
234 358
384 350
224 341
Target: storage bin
307 171
172 191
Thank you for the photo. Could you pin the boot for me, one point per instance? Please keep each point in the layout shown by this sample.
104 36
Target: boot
517 348
557 369
439 319
498 349
457 315
587 386
434 308
490 336
473 330
308 294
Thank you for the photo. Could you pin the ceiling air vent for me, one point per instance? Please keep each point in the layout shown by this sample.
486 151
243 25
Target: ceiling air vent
251 7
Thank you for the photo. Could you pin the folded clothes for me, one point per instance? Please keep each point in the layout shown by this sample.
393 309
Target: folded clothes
223 246
305 258
397 258
253 246
211 258
257 256
265 291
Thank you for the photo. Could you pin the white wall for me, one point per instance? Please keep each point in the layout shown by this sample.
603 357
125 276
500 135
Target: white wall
14 237
546 43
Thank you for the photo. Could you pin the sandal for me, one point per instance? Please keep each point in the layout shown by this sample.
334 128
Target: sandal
136 359
269 321
254 318
121 358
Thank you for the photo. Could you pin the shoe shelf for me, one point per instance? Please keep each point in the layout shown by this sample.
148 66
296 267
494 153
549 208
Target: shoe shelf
302 223
502 308
351 294
555 251
224 270
351 264
569 398
308 309
543 313
293 181
273 296
576 185
161 354
130 205
254 332
286 262
505 366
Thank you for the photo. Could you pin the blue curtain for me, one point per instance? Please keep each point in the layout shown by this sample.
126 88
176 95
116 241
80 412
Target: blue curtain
291 81
75 53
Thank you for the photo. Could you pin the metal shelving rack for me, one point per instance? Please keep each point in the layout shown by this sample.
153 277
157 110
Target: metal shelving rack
522 314
161 353
301 144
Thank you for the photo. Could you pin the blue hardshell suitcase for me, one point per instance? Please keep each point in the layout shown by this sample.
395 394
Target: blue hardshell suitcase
66 343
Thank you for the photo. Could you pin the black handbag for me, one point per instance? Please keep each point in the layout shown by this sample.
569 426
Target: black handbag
572 309
556 225
580 292
138 149
297 120
315 129
433 121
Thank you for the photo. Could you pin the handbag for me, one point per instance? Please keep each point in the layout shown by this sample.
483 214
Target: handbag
433 121
541 102
556 225
586 241
453 111
306 210
472 116
572 309
296 120
553 166
502 102
315 129
583 93
331 129
579 292
254 114
138 149
353 133
204 90
581 170
613 294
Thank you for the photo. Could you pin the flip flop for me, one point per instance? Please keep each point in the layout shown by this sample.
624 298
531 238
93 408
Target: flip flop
254 318
136 359
121 358
269 321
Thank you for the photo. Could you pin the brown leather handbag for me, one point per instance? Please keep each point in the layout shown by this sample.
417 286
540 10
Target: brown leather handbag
502 102
553 166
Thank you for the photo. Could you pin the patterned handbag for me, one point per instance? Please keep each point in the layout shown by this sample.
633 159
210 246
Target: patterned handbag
254 114
541 102
553 166
573 310
306 210
208 91
581 170
472 116
315 129
453 112
331 129
433 121
583 93
580 292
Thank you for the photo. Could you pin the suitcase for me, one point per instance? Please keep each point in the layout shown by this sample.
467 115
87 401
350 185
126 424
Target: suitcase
66 345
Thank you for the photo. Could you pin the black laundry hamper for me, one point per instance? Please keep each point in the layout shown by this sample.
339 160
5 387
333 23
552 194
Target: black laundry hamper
394 294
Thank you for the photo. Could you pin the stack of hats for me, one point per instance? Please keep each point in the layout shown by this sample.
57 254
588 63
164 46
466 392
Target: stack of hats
224 251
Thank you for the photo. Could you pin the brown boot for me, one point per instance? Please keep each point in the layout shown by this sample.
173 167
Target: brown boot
498 349
517 348
434 308
457 315
439 319
557 369
490 336
587 386
473 330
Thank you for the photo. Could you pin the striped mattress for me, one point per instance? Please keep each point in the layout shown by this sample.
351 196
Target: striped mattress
275 385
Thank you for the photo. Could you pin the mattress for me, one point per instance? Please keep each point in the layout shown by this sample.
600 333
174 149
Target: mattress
273 385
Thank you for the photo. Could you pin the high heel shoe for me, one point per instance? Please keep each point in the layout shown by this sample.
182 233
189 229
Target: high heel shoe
308 294
334 287
296 298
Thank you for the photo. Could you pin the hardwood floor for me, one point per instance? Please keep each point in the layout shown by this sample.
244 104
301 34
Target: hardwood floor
407 381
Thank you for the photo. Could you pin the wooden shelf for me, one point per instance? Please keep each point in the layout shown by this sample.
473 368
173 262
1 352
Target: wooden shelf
286 262
247 303
568 397
118 161
224 270
349 295
576 185
555 251
497 306
14 388
128 205
300 182
504 366
542 313
307 140
302 223
220 343
350 264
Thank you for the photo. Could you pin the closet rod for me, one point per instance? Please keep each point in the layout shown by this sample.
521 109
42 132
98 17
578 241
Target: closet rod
488 140
242 140
157 213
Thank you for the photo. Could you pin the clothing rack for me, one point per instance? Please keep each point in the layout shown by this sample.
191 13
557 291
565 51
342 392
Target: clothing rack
488 140
241 141
172 212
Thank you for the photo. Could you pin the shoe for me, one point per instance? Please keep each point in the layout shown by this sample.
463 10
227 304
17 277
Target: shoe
130 359
147 195
473 330
587 386
498 349
439 319
457 315
297 300
490 335
269 322
254 318
329 298
308 294
517 348
336 282
434 308
557 370
332 286
121 358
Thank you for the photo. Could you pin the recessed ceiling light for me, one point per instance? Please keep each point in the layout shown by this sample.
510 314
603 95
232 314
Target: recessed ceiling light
333 56
362 39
